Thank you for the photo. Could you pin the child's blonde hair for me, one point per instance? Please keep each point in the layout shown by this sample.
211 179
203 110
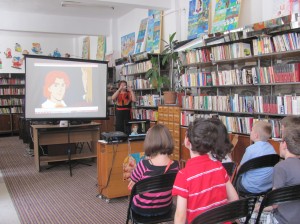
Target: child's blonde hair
263 130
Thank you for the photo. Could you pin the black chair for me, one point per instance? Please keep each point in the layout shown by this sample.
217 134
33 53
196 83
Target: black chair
229 167
229 212
162 182
256 163
284 194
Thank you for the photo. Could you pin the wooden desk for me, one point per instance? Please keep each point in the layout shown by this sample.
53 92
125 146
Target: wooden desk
110 158
54 134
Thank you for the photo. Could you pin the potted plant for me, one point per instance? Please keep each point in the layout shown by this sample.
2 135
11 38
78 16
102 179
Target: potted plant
170 59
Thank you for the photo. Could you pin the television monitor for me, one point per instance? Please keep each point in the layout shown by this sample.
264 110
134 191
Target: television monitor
65 88
137 129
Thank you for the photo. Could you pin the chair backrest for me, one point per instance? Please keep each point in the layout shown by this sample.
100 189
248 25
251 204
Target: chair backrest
162 182
256 163
229 212
284 194
229 167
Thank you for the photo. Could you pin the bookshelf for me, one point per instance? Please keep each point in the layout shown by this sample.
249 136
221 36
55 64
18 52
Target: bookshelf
244 79
12 100
148 99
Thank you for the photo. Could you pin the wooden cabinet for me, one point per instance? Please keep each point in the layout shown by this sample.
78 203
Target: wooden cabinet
110 159
170 116
5 123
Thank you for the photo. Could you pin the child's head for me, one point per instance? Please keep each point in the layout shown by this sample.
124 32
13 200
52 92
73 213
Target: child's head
158 141
261 131
223 144
290 141
202 135
289 121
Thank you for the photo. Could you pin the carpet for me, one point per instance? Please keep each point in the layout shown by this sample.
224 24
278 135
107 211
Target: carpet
52 196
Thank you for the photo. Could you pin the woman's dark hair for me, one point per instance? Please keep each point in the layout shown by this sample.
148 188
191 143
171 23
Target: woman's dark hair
223 144
121 81
203 136
158 141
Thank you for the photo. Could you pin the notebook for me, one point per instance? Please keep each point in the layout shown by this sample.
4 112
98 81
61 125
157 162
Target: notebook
137 129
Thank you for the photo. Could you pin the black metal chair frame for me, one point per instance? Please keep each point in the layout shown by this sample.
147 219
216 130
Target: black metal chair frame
161 182
284 194
256 163
229 212
230 168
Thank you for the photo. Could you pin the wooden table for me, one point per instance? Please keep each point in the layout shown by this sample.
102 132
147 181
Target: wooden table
54 134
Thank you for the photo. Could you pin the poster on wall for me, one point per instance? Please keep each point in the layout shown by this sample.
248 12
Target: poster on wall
86 48
198 18
127 44
226 15
140 43
101 48
154 31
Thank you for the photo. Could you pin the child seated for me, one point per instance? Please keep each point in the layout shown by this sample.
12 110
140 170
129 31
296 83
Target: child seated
203 183
158 146
258 180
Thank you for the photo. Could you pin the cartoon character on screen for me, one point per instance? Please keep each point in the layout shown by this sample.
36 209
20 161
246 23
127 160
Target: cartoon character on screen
87 84
134 129
55 85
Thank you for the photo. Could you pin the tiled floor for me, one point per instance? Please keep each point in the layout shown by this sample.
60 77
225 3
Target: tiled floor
8 214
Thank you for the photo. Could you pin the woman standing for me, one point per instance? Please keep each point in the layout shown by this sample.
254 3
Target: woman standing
123 98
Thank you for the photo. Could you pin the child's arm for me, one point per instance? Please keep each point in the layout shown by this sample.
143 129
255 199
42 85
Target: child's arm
180 214
231 192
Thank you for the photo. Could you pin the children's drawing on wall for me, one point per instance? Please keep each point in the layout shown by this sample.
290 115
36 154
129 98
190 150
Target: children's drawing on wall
8 53
17 62
101 48
127 44
154 31
198 18
86 48
110 59
36 48
282 7
226 15
56 53
18 47
140 42
0 63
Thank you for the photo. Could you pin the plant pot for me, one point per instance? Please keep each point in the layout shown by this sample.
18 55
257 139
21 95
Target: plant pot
170 97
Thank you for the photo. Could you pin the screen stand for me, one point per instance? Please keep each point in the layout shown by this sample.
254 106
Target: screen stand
66 123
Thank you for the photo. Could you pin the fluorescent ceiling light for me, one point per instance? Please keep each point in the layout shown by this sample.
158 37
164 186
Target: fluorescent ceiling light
84 4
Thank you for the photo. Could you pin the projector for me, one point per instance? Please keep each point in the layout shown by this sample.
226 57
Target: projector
114 136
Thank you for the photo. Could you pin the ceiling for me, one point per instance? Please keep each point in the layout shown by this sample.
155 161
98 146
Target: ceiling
101 9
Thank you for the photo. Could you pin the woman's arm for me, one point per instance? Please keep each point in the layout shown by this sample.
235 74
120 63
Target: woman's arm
116 94
180 214
132 95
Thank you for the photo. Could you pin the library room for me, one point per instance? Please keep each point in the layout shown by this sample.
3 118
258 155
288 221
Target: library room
128 111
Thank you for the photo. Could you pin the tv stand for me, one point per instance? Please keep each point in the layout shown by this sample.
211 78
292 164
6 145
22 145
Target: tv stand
54 134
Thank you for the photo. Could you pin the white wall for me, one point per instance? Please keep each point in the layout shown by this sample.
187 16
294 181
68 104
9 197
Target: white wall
49 42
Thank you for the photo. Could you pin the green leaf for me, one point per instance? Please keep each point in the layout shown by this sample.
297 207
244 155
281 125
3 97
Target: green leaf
171 38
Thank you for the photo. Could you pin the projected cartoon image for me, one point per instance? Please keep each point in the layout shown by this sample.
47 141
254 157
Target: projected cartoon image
55 85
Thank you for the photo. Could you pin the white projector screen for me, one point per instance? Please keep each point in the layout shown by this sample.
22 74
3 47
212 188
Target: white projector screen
63 88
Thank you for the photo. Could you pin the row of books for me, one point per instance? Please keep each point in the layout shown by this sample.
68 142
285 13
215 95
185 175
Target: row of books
278 43
195 56
12 81
196 77
145 114
139 83
187 117
12 101
286 104
231 51
279 73
149 100
12 91
6 110
136 68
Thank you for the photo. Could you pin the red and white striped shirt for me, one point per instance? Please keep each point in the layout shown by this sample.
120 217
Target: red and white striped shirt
203 183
